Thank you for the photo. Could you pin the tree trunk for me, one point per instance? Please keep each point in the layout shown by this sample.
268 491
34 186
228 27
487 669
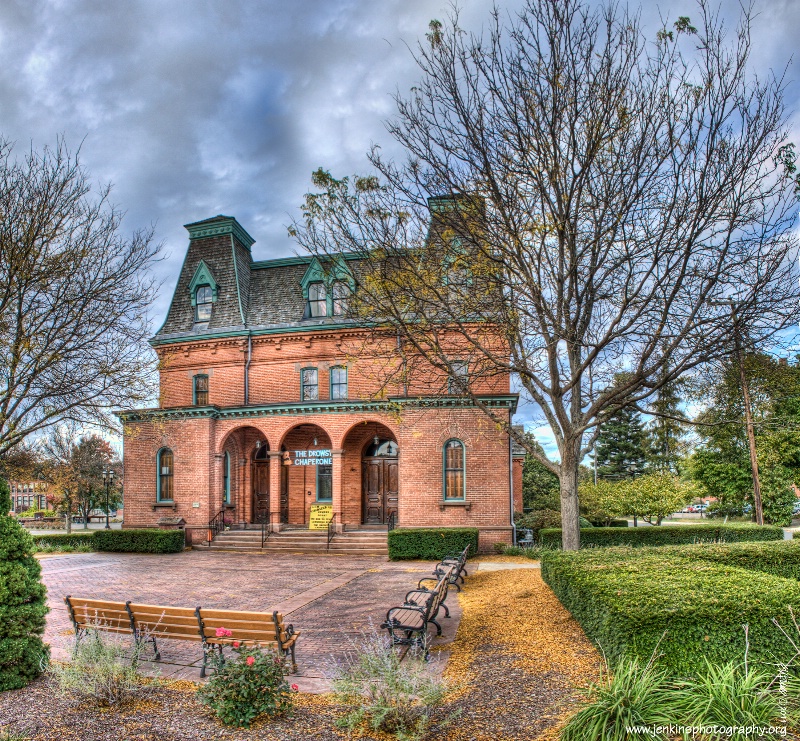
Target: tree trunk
570 514
69 516
635 523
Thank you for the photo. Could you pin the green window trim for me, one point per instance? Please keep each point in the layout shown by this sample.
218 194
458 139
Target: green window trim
198 381
226 479
454 478
323 473
338 387
203 277
337 283
304 385
165 475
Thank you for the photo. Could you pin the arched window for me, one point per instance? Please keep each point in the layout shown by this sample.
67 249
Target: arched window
226 479
204 297
454 470
165 463
200 391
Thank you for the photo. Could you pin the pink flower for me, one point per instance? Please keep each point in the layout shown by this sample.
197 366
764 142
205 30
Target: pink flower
224 633
236 644
251 660
295 688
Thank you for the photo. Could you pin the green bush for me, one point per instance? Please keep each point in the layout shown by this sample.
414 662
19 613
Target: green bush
630 601
252 684
139 541
777 557
63 542
667 535
22 602
431 543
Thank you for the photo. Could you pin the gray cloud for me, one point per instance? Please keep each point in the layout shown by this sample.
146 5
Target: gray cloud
226 106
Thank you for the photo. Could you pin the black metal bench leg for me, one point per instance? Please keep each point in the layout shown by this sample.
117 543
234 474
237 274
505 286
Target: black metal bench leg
155 649
205 659
438 627
294 663
446 610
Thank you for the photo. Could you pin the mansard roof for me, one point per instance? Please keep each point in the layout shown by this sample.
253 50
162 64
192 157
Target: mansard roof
249 296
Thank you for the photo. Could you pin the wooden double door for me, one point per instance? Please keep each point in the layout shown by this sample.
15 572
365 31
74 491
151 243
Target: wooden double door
261 492
379 478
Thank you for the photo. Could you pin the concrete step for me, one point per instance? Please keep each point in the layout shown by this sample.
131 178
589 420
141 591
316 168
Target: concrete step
344 551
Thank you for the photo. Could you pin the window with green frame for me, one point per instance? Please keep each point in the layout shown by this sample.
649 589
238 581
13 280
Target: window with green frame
165 463
309 384
454 470
325 483
200 390
338 382
226 479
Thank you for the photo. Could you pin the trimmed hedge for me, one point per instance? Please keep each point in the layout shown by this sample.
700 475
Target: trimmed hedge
62 539
666 535
431 544
630 601
139 541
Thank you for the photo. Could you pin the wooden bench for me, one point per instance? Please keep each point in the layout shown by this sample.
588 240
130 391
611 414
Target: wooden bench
408 623
460 562
148 622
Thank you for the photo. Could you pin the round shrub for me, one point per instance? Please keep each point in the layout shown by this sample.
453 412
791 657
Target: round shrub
22 602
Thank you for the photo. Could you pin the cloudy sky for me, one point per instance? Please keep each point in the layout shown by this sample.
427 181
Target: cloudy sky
195 108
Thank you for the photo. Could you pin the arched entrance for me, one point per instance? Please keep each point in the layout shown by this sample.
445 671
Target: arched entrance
306 473
260 483
379 478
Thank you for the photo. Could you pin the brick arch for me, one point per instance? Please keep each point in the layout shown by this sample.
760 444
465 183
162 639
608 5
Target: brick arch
368 422
304 430
244 438
455 432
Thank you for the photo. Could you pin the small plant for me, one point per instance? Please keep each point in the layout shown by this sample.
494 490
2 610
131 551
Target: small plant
102 671
735 695
633 695
252 684
390 696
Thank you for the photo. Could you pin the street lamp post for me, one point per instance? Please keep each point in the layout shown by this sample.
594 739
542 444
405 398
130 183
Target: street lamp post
748 414
108 479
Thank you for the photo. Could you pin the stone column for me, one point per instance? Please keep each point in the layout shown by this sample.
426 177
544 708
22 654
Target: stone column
337 480
275 465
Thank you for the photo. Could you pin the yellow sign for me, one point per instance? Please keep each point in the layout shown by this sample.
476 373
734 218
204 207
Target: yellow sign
320 516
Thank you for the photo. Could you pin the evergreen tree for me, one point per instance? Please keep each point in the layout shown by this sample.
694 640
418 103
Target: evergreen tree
22 602
621 448
665 434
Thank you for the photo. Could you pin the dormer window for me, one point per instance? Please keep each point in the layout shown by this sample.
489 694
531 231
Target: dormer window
340 293
317 299
204 298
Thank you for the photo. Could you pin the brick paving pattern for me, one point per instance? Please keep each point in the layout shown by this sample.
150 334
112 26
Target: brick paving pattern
332 600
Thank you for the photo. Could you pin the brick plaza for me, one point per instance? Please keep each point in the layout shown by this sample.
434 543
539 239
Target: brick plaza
331 600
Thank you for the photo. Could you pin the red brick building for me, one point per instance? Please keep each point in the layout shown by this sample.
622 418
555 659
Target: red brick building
268 409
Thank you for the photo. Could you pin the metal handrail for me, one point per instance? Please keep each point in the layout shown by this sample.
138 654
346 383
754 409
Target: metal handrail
392 521
265 532
215 525
331 530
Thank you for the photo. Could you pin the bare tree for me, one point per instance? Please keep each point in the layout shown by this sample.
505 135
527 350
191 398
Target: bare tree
74 296
593 190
